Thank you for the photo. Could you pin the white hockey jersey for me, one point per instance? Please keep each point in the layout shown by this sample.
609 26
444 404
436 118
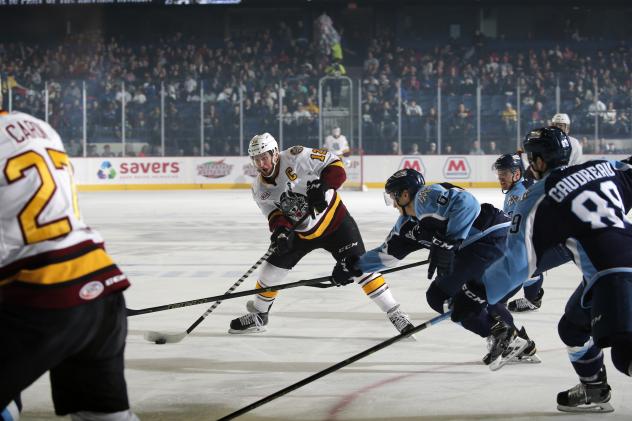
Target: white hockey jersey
43 241
337 145
577 156
287 196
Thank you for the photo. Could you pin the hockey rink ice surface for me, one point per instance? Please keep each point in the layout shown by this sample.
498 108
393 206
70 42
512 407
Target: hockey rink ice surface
183 245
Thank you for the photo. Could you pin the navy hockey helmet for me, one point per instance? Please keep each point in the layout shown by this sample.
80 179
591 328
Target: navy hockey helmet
508 162
549 143
406 179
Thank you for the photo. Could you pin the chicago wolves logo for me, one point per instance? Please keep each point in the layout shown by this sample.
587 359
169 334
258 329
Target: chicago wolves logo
293 205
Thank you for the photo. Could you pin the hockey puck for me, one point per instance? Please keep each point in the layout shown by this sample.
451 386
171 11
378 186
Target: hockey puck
161 341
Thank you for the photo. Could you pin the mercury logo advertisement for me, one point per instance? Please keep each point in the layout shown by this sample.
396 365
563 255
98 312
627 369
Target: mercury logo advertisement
456 167
214 169
412 162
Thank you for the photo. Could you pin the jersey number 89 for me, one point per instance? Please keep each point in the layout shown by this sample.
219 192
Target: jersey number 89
600 209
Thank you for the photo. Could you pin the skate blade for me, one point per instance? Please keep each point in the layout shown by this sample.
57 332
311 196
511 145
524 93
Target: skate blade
501 361
593 408
258 329
531 359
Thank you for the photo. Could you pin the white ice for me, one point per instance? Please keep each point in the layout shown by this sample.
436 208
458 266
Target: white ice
181 245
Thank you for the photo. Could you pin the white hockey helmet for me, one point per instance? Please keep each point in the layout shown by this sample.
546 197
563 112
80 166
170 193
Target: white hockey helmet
561 118
261 143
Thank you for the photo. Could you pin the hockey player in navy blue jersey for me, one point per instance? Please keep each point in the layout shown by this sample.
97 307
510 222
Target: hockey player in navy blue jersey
510 171
583 207
464 237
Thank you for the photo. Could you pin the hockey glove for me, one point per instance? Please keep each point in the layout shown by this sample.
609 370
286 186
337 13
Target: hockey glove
316 195
627 160
282 239
345 270
469 301
442 252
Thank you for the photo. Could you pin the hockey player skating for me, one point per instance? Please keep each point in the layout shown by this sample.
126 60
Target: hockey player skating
61 302
292 183
508 168
583 207
463 237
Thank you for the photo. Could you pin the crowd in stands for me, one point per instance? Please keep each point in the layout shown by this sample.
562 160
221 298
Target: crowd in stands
595 87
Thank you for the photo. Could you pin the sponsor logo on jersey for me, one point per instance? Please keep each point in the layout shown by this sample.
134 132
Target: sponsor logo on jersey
91 290
265 195
456 167
414 163
250 170
214 169
106 171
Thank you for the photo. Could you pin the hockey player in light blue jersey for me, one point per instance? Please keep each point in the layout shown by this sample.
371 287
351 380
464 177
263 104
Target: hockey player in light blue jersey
509 170
582 207
464 237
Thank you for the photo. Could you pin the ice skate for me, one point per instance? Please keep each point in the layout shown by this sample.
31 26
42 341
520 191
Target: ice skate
522 304
249 323
528 355
591 397
401 321
504 344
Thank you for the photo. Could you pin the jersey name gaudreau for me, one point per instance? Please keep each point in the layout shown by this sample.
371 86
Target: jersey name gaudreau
575 180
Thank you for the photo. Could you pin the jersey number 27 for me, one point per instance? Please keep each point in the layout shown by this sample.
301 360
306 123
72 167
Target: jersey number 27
16 169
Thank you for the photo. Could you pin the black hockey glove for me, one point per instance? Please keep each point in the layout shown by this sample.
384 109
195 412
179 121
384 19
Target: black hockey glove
282 239
316 195
345 270
442 252
469 301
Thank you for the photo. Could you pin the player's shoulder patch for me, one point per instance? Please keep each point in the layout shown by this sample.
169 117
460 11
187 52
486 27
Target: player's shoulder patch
295 150
423 193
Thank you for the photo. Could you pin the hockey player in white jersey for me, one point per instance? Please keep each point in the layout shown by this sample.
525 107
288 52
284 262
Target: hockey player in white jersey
337 143
563 122
291 184
61 302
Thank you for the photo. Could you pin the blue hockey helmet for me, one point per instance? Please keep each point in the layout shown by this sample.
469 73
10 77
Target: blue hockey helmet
509 162
406 179
550 144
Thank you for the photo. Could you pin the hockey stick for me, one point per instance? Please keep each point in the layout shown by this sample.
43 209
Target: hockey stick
336 367
309 282
169 338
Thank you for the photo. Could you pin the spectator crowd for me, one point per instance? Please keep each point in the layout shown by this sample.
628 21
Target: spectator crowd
235 83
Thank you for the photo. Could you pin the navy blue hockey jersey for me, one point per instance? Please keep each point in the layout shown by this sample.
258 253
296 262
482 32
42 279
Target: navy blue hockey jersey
582 207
